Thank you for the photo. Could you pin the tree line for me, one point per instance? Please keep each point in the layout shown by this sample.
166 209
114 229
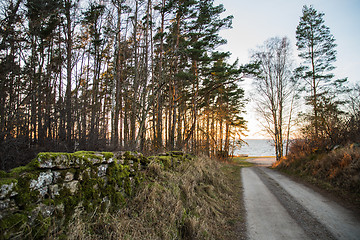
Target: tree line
141 75
332 115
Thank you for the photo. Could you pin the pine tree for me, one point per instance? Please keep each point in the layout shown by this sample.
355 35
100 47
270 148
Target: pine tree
317 49
202 34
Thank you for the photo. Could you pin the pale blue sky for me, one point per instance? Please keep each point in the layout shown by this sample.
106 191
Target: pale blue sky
257 20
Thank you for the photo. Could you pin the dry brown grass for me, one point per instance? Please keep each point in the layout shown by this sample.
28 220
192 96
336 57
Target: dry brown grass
199 199
337 170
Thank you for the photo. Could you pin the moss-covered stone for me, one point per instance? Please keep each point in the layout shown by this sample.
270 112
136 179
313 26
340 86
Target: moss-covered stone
67 160
7 187
54 160
68 200
53 185
88 157
132 156
108 155
166 161
7 181
127 186
22 169
26 197
117 173
84 152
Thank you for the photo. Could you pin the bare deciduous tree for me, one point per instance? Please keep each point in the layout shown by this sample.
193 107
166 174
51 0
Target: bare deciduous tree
276 90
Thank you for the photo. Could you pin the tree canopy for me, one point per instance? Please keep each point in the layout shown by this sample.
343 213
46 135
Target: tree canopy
119 75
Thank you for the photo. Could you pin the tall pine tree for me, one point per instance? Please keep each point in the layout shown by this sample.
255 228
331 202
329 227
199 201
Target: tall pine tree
317 49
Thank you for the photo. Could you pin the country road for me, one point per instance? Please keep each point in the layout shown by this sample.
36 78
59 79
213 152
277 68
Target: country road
279 208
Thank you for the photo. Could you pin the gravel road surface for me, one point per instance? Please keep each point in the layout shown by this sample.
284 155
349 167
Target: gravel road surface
279 208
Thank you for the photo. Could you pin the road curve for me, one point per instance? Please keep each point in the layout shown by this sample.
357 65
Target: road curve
279 208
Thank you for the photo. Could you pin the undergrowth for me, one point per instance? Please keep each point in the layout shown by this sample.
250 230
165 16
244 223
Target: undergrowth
337 170
199 199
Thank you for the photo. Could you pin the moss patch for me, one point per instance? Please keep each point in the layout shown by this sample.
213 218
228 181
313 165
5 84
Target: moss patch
87 155
7 181
23 169
107 155
26 198
44 156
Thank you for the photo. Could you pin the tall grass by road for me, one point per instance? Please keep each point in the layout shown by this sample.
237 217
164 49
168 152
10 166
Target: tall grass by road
200 199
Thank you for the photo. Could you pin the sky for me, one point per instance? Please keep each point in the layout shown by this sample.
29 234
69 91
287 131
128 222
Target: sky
258 20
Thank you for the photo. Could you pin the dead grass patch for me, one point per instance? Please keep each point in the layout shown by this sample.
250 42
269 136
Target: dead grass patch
337 170
199 199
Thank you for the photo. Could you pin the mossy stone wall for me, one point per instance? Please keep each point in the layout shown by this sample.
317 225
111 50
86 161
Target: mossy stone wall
53 185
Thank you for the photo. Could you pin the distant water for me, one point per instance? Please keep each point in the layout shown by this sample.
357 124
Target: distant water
257 148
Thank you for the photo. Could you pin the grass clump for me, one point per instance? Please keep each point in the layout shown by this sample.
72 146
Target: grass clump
198 199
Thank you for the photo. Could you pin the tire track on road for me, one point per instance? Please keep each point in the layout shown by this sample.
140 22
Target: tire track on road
311 226
266 218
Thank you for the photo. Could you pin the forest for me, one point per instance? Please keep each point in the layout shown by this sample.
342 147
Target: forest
117 75
147 76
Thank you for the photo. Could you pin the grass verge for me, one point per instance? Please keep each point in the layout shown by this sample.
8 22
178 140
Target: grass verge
241 162
337 172
200 199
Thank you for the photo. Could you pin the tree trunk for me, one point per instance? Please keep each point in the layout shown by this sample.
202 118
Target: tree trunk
117 99
68 72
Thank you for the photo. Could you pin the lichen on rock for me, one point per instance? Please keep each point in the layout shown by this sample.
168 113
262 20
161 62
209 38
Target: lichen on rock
7 188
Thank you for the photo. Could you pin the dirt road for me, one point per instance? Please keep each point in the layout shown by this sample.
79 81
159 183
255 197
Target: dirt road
279 208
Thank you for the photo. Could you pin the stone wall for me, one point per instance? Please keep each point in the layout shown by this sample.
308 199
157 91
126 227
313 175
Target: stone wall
54 185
